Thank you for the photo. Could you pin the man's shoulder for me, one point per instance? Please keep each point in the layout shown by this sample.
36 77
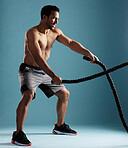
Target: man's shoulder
32 32
57 30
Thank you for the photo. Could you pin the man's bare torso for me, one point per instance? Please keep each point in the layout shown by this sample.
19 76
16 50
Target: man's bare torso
45 43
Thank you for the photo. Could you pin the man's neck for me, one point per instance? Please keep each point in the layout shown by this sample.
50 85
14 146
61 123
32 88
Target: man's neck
43 28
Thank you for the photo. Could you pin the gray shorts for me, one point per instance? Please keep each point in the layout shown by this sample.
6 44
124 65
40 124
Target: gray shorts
31 77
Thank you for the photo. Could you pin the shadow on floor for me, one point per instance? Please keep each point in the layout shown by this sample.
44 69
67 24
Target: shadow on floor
6 144
39 133
116 146
10 134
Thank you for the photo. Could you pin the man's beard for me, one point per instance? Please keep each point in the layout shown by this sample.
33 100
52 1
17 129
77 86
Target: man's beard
50 27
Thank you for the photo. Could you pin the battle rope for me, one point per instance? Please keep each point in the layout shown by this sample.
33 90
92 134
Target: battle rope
105 72
96 75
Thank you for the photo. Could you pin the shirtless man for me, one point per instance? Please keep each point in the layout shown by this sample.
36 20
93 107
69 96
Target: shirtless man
35 72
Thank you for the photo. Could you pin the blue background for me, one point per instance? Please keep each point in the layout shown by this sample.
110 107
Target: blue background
99 25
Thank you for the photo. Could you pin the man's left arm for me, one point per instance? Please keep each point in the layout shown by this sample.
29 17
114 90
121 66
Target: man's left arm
74 45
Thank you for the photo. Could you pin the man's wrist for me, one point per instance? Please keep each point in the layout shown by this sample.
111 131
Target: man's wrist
52 75
87 53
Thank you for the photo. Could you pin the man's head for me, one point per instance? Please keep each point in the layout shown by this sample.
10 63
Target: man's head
50 15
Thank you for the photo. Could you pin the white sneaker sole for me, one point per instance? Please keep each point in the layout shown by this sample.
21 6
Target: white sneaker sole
20 144
63 133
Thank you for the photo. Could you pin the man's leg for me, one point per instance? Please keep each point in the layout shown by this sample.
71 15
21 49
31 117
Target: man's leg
62 104
22 109
19 137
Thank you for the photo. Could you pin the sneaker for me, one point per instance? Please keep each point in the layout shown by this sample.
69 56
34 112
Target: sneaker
63 129
20 139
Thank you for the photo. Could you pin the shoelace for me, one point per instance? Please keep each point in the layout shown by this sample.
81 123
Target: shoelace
22 135
65 126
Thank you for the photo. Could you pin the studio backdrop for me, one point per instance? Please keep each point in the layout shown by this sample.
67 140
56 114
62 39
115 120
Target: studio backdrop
99 25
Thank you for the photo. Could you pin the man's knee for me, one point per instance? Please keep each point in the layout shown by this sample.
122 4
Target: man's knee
27 97
64 93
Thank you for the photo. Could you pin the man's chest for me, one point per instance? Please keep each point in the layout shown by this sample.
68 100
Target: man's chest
46 41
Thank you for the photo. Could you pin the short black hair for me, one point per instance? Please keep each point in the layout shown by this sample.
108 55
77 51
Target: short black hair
46 10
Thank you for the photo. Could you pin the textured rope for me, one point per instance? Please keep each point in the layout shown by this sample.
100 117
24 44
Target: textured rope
96 75
115 96
105 72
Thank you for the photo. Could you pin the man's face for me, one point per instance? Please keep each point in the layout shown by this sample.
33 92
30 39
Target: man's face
52 21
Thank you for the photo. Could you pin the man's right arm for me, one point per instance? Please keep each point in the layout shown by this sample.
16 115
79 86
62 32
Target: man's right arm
34 48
